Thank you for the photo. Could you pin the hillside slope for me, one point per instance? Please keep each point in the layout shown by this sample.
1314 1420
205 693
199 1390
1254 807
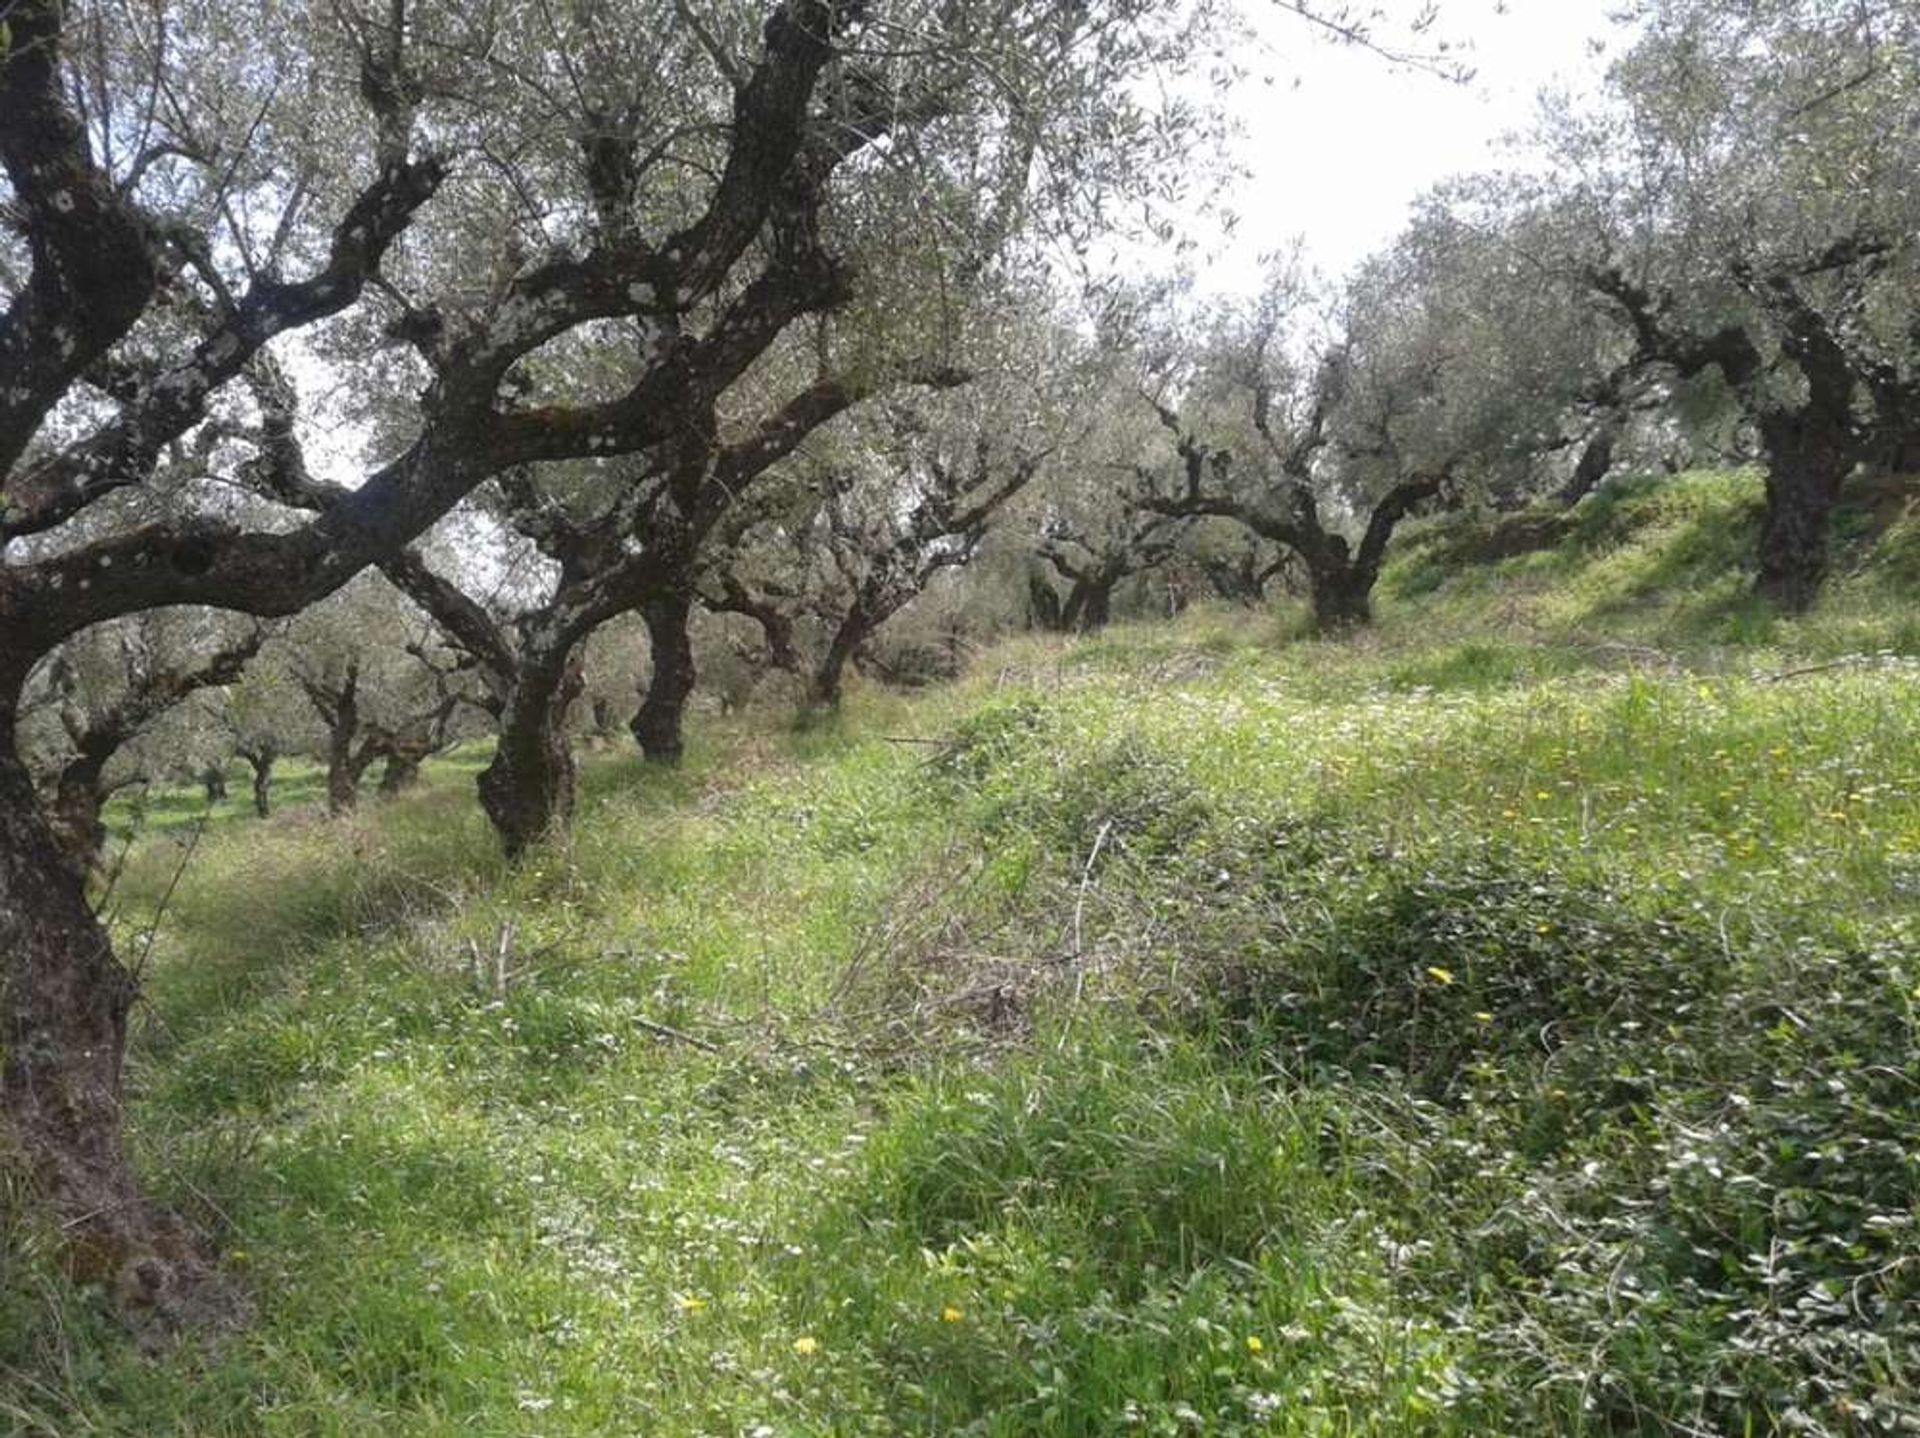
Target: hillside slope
1501 1023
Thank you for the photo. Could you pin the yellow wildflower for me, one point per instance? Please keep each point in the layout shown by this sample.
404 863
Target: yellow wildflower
806 1345
950 1314
1440 975
1254 1345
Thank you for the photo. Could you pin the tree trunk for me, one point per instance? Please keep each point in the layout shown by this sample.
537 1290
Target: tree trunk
826 686
1043 606
1807 461
604 724
343 774
343 789
658 726
1903 453
1793 537
262 766
78 798
1594 464
527 791
64 1001
1239 580
400 773
1089 605
1342 596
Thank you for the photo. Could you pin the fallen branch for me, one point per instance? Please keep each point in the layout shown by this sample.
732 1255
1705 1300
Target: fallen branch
1079 950
1846 661
668 1031
139 966
500 957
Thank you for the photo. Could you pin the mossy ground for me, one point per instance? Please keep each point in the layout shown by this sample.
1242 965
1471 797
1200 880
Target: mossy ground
1503 1022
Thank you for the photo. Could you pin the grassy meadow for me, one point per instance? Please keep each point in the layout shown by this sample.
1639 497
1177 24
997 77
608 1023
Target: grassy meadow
1499 1023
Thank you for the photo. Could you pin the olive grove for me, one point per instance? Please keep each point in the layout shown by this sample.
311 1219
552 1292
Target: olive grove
501 371
426 199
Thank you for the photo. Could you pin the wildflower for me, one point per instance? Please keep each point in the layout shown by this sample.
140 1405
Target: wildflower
950 1314
806 1345
691 1303
1440 975
1254 1345
1264 1405
1484 1017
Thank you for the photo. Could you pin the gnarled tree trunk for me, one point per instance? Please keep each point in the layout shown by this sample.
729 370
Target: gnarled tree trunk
261 761
527 790
1089 606
1342 595
657 728
339 709
605 726
1044 610
826 686
1809 455
79 796
400 772
1595 462
64 1001
346 765
1340 578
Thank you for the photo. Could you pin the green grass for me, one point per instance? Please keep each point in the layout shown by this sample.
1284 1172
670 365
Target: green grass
1490 1025
299 784
1665 563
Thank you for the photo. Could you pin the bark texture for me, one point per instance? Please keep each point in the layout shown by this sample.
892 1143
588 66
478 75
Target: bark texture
658 727
528 788
64 1003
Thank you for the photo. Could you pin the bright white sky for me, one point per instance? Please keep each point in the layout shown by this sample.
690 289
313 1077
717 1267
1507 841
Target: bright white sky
1341 143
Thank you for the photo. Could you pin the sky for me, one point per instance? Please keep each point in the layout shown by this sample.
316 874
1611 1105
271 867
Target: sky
1340 143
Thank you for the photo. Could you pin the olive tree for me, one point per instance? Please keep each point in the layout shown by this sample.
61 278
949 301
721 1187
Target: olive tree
383 685
1084 521
903 492
266 717
1321 421
89 707
992 164
1747 207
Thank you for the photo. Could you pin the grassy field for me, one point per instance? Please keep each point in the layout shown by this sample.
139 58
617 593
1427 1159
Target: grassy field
1501 1023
